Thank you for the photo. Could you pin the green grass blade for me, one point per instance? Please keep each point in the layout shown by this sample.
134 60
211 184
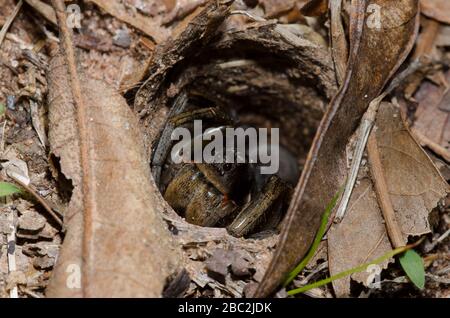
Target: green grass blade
8 189
340 275
412 264
316 243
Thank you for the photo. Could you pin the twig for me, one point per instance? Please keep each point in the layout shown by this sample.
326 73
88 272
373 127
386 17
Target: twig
318 269
365 128
29 292
9 21
427 142
37 125
439 240
2 143
248 14
381 189
44 204
11 241
438 279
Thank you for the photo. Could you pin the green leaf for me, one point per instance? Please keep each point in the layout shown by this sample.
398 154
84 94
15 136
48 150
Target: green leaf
2 109
8 189
412 264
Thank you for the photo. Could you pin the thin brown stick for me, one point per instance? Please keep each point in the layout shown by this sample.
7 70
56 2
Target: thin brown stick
9 21
41 201
67 48
381 189
435 147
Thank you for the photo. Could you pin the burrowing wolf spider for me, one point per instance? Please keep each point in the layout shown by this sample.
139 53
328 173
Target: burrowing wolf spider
231 195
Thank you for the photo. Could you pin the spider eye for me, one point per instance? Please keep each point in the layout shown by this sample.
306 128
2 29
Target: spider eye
227 167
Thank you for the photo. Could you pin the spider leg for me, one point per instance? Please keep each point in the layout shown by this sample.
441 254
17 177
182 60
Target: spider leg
250 216
178 116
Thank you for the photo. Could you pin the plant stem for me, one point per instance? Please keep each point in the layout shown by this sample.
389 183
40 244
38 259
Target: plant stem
357 269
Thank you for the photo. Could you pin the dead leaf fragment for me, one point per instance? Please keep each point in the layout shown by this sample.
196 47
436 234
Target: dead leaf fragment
31 222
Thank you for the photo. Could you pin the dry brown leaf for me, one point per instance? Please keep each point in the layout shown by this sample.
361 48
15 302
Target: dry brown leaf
415 188
436 9
359 238
415 185
375 54
115 238
150 26
432 120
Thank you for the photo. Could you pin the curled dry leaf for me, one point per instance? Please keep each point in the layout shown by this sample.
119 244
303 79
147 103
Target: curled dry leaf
436 9
415 187
115 236
375 54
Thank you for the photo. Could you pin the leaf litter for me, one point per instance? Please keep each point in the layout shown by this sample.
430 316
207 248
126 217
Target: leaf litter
415 186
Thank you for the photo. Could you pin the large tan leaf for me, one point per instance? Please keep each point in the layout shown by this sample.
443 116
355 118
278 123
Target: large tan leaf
359 238
115 237
375 54
415 188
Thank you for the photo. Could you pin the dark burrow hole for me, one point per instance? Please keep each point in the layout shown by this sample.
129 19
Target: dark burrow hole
189 187
256 89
